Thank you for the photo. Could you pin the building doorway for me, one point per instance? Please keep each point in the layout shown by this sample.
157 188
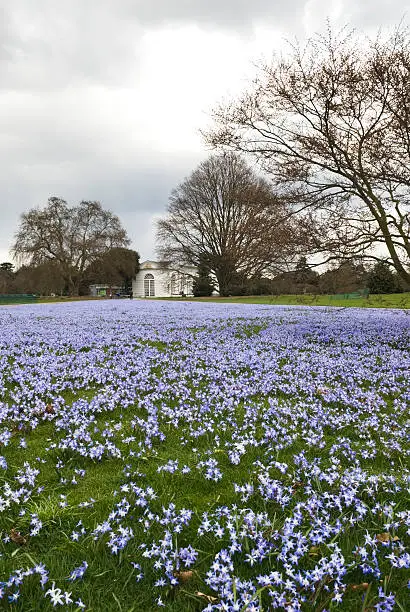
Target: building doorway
149 285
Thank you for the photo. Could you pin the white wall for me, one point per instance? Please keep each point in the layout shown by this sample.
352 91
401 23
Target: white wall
162 280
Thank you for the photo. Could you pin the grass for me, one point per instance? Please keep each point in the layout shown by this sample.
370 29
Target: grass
110 586
394 300
110 583
48 299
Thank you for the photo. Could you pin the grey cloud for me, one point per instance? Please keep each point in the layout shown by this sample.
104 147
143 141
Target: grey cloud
377 14
46 45
231 14
61 133
135 188
242 15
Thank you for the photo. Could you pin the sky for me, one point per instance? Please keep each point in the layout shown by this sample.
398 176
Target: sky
105 99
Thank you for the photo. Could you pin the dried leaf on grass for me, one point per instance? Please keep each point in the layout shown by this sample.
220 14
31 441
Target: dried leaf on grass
15 536
50 409
386 537
359 587
184 576
208 598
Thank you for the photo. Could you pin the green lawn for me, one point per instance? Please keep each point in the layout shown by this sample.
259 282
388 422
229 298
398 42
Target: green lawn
395 300
110 579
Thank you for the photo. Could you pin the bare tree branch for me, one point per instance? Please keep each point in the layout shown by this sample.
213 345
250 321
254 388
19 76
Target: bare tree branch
227 216
72 237
331 124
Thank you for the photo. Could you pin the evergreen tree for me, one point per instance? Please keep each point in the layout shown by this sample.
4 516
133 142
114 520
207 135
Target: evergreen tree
203 285
381 279
7 276
304 275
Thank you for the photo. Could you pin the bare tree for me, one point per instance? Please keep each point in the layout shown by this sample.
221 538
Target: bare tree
331 123
72 237
227 217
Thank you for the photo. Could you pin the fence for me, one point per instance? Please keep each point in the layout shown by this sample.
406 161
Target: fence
362 293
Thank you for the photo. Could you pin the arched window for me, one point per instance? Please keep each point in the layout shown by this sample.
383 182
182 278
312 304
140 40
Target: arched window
149 285
174 286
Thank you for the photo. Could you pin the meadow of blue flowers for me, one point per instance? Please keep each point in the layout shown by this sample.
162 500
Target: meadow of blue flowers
204 457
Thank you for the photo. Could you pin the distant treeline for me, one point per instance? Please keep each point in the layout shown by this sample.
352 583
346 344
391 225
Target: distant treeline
116 267
347 277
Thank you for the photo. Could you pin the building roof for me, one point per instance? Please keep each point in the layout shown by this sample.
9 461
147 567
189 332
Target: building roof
165 265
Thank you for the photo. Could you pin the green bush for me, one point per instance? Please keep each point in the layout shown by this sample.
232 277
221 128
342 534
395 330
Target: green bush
382 280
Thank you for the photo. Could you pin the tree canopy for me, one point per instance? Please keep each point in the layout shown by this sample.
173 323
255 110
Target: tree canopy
70 237
382 280
227 218
330 122
117 266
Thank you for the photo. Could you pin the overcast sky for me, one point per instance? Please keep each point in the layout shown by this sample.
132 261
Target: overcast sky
104 99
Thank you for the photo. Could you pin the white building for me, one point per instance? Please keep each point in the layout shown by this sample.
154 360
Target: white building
158 279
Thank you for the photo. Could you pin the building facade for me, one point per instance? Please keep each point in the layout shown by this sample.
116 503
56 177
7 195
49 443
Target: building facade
158 279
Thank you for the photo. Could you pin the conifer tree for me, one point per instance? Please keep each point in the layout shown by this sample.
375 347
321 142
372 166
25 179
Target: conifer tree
203 285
